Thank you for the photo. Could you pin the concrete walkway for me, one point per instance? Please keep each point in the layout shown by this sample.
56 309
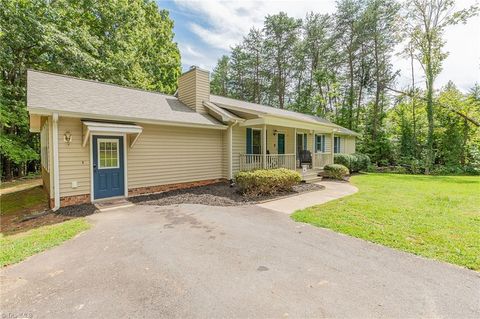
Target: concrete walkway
333 190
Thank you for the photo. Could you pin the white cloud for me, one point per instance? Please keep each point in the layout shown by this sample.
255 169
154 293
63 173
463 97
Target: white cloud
226 22
192 55
221 24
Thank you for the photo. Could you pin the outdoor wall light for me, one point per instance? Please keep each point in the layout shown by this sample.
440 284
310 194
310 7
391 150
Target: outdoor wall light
67 137
275 132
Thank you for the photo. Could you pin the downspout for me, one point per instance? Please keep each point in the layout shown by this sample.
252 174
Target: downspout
56 177
230 152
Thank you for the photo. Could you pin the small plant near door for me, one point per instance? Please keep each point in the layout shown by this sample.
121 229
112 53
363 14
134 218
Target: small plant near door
267 182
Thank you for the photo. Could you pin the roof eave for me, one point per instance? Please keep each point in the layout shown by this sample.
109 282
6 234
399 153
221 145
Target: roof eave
47 112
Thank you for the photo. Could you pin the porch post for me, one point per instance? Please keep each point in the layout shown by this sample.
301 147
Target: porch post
295 147
229 152
264 145
332 146
313 148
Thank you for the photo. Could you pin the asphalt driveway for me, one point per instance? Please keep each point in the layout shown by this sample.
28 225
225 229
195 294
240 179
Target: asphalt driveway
201 261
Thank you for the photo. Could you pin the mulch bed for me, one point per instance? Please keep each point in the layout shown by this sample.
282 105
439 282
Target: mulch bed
219 194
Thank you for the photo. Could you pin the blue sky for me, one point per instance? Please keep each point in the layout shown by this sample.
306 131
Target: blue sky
205 30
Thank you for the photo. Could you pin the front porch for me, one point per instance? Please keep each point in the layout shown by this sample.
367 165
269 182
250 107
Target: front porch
275 146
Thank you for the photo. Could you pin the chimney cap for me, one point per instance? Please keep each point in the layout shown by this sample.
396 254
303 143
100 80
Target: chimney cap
195 67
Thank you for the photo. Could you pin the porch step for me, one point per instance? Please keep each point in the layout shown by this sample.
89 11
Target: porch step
106 205
312 176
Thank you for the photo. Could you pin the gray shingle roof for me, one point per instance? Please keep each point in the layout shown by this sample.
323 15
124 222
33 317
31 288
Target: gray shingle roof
67 94
54 92
232 104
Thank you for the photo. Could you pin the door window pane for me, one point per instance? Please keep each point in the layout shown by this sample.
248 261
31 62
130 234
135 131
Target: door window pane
108 155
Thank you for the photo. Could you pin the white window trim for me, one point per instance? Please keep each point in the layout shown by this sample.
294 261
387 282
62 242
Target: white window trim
323 143
108 140
339 149
260 130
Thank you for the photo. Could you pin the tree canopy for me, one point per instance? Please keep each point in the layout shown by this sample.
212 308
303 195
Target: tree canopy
339 66
123 42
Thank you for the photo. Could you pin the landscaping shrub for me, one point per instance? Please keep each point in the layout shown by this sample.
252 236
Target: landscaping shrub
336 171
354 162
343 159
266 182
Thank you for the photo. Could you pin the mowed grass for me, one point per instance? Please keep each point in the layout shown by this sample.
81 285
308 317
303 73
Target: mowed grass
17 247
433 216
25 200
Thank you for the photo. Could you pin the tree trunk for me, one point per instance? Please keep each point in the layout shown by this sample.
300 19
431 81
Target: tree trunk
8 170
430 155
414 116
464 146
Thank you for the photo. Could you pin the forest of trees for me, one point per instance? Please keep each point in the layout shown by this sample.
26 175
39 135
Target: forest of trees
124 42
339 66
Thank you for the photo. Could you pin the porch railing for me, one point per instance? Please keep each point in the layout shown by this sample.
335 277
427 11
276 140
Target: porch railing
255 161
321 159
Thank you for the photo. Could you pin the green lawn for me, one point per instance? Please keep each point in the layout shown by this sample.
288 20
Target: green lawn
17 247
29 199
432 216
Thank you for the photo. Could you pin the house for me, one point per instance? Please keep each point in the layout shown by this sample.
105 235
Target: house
102 140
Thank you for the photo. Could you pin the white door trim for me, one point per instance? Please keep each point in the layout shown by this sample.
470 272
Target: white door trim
125 160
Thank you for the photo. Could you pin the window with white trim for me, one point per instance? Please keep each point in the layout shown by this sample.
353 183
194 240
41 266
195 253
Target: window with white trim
320 143
108 154
256 141
337 144
45 147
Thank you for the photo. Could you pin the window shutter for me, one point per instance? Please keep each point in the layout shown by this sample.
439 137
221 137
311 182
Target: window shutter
249 149
305 142
323 143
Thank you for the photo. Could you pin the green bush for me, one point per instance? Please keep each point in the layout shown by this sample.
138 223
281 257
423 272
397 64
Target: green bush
266 182
343 159
363 162
354 162
336 171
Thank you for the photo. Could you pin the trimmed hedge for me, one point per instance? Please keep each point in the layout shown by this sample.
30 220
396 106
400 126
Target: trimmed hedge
354 162
336 171
267 181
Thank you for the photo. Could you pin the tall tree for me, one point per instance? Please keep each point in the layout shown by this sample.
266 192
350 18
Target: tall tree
221 77
281 36
127 43
427 20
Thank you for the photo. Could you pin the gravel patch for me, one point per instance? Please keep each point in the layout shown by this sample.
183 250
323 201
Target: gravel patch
77 210
219 194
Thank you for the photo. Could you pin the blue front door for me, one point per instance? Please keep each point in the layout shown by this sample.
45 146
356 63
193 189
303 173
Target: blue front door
108 168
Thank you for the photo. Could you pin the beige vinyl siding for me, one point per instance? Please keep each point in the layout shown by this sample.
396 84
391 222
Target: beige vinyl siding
239 140
169 155
349 144
272 140
328 141
224 155
74 159
194 88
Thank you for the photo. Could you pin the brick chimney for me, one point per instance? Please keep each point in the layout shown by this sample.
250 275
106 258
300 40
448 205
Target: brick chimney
194 88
